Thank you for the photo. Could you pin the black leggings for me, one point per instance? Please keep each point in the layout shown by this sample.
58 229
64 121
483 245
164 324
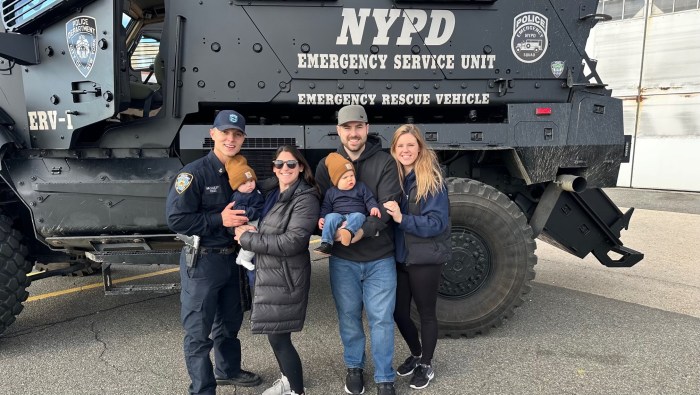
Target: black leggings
288 360
420 283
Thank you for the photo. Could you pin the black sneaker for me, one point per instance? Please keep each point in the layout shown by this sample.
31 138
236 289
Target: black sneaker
354 381
407 367
324 249
386 389
422 376
242 379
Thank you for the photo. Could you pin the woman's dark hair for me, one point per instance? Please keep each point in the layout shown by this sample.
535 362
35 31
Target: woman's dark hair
307 174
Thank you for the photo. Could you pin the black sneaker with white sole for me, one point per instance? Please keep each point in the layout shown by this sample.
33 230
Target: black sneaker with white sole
355 381
422 376
407 367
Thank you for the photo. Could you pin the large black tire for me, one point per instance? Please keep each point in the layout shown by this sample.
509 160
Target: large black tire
492 263
13 273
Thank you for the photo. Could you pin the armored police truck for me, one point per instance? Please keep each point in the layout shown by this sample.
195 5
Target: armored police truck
103 101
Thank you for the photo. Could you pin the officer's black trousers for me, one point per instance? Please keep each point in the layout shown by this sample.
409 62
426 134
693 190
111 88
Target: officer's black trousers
211 305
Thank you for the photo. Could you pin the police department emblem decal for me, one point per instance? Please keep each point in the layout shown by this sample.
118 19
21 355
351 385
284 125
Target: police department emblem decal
529 42
81 34
183 182
233 118
557 68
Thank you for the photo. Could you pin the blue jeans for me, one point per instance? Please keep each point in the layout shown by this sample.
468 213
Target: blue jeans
333 222
372 285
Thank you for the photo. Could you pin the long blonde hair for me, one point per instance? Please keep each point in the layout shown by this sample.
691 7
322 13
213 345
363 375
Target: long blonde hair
429 178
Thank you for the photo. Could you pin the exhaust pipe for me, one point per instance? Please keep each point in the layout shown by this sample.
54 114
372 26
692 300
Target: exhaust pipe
571 183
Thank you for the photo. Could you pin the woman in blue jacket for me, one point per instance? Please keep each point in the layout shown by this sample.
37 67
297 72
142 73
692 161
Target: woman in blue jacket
422 247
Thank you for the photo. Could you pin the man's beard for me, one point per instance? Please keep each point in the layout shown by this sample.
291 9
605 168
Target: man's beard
358 149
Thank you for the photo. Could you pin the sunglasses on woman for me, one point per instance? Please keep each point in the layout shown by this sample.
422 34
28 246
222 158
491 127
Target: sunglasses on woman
279 163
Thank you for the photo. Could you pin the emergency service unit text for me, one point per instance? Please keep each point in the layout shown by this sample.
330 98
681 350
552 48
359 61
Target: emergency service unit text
398 62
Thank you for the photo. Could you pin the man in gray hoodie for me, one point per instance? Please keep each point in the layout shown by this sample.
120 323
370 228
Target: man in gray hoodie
363 274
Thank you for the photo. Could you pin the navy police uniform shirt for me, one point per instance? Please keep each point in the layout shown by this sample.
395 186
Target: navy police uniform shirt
200 193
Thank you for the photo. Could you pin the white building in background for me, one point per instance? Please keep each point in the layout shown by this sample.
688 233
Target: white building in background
649 55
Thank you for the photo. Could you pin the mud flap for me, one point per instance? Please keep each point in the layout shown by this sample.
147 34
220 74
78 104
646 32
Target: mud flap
581 223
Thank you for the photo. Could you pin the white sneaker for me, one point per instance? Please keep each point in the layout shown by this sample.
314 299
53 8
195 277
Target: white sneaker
279 387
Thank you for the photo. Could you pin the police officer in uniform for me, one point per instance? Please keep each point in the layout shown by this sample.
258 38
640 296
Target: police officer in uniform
198 204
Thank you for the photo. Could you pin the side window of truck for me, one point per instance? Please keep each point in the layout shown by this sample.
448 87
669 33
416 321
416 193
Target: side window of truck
143 59
146 68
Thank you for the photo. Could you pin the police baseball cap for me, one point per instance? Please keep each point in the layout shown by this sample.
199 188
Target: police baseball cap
352 113
229 119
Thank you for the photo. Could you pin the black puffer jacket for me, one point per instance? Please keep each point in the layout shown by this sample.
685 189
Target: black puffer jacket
282 261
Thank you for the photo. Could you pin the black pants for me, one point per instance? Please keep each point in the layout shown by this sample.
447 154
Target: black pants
211 316
288 360
420 283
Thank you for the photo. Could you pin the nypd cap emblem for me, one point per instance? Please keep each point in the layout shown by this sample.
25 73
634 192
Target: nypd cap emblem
183 181
81 35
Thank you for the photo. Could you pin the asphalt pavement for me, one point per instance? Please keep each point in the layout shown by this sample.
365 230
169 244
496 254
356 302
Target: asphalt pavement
584 328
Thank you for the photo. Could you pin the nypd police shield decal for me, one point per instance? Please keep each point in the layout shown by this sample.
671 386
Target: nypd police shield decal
529 41
557 68
81 35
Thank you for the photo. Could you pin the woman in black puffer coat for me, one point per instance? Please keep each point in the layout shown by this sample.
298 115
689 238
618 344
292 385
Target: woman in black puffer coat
283 262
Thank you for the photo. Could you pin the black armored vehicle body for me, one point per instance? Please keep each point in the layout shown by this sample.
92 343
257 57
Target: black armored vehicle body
104 100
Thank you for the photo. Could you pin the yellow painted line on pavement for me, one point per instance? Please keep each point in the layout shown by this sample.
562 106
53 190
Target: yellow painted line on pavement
99 285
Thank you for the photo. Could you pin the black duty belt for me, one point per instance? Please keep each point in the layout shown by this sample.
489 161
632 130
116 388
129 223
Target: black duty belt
221 251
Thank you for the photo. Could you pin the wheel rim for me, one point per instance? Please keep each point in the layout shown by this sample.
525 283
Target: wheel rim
470 266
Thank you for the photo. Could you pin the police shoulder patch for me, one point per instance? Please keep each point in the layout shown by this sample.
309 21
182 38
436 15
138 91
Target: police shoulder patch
183 181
